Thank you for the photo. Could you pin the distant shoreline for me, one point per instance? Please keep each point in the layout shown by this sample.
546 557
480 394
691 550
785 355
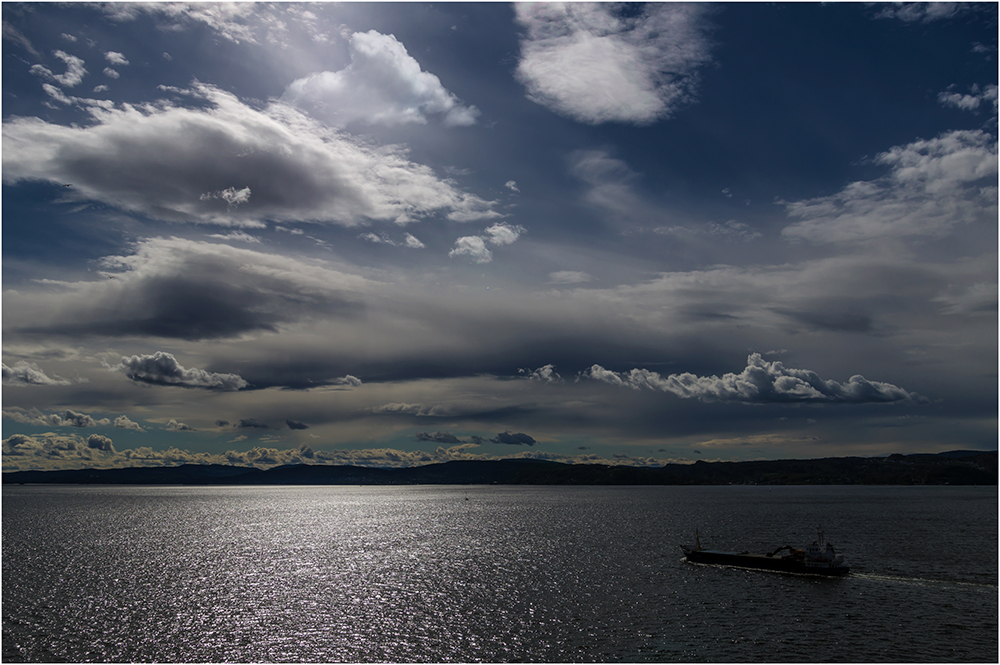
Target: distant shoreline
960 467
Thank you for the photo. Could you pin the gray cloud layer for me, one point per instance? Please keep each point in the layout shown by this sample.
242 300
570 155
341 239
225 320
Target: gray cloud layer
175 288
507 438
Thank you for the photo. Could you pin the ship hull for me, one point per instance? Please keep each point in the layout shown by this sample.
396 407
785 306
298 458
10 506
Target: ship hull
762 561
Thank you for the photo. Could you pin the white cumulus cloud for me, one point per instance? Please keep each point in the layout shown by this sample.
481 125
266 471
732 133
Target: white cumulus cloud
412 241
921 12
67 418
25 373
124 422
229 19
163 369
410 409
73 75
600 63
383 85
544 374
760 382
971 101
503 233
473 246
933 185
116 58
232 196
409 240
174 426
238 236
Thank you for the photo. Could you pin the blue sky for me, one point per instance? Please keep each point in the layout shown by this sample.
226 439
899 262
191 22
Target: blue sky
395 234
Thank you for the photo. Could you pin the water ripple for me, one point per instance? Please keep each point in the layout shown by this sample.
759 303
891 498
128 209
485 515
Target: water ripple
483 574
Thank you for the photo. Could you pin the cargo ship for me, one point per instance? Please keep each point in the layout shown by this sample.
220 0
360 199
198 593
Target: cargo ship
817 558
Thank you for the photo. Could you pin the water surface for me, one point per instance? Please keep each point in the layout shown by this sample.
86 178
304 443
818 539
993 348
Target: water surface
485 573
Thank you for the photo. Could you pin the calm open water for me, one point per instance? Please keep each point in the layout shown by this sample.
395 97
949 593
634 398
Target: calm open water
486 573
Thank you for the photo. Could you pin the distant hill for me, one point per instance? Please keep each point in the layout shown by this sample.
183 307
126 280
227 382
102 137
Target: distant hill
952 468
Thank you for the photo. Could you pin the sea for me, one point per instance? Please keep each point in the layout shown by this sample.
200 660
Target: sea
493 574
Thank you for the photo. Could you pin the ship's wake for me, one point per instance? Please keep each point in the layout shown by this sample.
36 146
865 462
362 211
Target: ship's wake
814 576
922 581
864 576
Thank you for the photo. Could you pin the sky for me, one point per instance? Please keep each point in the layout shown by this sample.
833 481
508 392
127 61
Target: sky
397 234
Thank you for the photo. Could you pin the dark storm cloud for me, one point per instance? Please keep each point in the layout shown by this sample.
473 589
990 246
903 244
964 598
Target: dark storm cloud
508 438
176 288
451 335
518 439
100 442
438 437
74 419
835 321
293 424
15 440
163 369
185 308
761 382
251 423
